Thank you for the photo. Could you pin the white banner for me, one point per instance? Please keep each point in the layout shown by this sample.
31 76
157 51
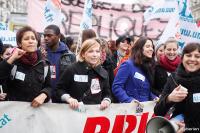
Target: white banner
109 20
20 117
160 9
8 37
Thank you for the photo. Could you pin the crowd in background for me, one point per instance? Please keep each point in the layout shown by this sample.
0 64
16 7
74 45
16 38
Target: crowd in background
52 68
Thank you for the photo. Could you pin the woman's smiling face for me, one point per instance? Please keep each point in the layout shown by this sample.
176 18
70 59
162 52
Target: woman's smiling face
191 61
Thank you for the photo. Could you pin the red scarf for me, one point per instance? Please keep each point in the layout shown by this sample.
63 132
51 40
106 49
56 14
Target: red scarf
29 58
169 65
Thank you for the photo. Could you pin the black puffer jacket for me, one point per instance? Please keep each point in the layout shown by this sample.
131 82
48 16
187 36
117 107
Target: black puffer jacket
76 81
28 81
188 107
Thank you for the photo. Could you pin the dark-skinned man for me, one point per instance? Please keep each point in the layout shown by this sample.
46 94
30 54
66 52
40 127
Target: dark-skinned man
58 55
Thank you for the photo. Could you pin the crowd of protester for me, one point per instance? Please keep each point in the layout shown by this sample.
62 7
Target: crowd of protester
52 68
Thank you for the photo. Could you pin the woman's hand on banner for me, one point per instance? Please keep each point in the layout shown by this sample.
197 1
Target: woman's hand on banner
73 103
137 102
39 100
104 104
2 96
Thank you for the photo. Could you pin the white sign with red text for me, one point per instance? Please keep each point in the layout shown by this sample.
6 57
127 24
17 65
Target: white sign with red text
20 117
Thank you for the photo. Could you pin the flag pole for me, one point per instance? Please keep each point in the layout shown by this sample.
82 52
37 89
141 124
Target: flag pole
86 22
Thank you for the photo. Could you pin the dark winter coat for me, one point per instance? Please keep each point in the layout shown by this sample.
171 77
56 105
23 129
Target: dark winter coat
59 60
187 107
161 76
76 81
109 67
30 84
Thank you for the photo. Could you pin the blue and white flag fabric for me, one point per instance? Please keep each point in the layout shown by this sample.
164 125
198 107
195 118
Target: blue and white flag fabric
160 9
86 22
3 26
188 28
172 29
181 24
52 12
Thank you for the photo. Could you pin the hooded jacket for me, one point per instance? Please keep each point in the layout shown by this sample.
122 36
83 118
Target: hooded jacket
59 60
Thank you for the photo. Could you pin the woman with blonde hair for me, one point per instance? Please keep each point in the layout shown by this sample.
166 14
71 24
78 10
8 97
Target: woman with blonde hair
85 81
168 62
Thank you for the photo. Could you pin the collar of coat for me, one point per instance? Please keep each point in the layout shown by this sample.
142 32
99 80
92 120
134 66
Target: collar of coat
98 69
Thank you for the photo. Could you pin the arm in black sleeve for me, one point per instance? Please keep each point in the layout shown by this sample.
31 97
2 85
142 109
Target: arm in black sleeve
5 70
64 82
163 105
47 85
106 90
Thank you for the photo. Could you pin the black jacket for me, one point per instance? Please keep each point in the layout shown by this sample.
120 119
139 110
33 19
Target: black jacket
114 59
109 67
76 81
190 109
30 84
160 79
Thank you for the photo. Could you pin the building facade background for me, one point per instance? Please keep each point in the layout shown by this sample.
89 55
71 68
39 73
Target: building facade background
13 12
195 7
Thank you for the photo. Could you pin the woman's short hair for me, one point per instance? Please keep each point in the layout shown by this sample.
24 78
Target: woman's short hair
137 51
171 40
87 34
104 45
190 47
20 34
87 44
158 46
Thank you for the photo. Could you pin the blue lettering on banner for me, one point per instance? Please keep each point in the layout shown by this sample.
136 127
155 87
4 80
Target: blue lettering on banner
190 33
187 19
151 9
48 15
9 39
4 120
185 32
162 10
46 10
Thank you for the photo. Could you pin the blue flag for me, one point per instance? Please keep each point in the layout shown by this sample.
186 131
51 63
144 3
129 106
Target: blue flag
86 22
